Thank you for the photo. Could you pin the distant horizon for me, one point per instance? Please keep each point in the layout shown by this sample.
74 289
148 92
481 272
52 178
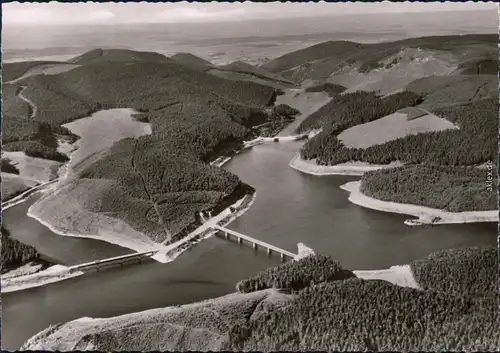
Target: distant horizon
105 14
246 20
227 41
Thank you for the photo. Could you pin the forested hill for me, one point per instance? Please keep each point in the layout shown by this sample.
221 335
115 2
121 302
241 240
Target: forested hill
430 101
448 77
118 55
192 61
322 60
195 117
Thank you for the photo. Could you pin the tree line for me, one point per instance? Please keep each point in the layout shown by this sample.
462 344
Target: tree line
356 108
8 167
195 117
14 253
454 189
471 271
331 88
296 275
360 315
473 143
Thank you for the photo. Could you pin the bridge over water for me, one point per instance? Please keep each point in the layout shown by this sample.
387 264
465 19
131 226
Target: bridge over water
139 257
228 233
113 261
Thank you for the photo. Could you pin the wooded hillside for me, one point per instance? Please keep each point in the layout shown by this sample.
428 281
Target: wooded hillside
195 117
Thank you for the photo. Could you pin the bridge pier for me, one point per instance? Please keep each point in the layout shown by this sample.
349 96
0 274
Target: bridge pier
255 243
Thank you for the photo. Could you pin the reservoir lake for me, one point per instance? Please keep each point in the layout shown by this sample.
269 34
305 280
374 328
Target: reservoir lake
290 207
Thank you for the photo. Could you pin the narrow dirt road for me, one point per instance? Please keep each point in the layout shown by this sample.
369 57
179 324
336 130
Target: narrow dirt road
33 108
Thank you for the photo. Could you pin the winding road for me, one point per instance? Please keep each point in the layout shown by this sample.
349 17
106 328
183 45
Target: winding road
33 108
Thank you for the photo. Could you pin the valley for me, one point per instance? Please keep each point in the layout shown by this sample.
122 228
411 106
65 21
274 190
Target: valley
130 142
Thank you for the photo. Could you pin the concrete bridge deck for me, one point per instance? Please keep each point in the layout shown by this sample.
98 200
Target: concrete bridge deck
113 261
141 256
256 243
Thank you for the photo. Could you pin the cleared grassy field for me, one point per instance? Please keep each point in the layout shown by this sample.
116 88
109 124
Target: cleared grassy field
304 102
100 131
12 71
395 71
30 168
412 112
391 127
474 111
45 69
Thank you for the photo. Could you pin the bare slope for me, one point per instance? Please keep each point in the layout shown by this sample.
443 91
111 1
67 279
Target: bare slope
391 127
44 69
325 59
12 71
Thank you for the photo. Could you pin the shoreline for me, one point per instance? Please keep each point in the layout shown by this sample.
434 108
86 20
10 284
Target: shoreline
55 336
51 274
425 215
26 195
348 168
204 231
165 253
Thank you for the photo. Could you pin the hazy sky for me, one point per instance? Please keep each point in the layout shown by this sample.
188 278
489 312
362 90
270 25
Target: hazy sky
97 13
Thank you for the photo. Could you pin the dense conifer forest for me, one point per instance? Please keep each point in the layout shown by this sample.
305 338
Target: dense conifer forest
454 189
330 88
465 271
160 182
455 311
473 143
195 118
15 253
8 167
296 275
36 139
356 108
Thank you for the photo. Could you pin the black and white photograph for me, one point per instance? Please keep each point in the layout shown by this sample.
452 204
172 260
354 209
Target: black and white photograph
250 176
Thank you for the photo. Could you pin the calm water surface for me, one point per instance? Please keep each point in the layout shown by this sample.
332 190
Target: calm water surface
293 207
61 250
290 207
